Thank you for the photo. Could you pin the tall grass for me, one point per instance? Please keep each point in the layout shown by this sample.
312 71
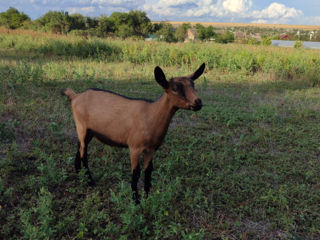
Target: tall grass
284 63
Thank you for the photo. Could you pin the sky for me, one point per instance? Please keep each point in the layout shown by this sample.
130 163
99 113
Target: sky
305 12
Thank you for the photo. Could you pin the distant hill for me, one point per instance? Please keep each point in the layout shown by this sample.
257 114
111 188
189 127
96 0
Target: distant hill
256 25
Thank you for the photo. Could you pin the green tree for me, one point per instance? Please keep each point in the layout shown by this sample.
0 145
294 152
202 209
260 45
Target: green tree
139 23
201 32
166 33
210 32
227 37
134 23
13 19
78 22
204 33
56 22
181 31
105 26
91 22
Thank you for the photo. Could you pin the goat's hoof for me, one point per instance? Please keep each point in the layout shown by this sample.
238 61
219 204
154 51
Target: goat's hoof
136 198
92 183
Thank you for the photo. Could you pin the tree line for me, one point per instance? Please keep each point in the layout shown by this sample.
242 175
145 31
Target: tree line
134 24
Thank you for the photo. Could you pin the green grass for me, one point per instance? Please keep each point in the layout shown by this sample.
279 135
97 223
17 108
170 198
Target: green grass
244 167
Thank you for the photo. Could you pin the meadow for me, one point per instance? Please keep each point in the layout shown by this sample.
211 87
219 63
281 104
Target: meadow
244 167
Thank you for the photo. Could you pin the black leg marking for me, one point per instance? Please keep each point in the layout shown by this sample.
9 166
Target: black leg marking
85 160
134 183
147 178
77 160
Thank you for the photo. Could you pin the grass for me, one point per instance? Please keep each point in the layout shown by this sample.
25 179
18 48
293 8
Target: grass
244 167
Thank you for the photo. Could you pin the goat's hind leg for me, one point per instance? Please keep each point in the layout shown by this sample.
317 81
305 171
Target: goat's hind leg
84 159
84 137
77 160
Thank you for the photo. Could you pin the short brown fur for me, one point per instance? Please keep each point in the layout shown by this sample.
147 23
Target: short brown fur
137 124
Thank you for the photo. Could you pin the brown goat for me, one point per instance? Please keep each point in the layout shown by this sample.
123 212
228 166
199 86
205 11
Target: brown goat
138 124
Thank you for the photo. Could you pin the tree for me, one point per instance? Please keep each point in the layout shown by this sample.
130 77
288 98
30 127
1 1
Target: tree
13 19
201 32
166 33
134 23
204 33
56 22
105 26
139 23
78 22
91 22
181 31
210 33
227 37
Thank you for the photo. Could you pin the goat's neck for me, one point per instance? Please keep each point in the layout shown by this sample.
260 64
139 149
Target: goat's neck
163 111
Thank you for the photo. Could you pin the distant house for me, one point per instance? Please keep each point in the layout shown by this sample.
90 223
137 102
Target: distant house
240 35
256 36
191 35
284 37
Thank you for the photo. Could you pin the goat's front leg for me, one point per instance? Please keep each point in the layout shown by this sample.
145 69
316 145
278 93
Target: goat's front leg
148 167
135 168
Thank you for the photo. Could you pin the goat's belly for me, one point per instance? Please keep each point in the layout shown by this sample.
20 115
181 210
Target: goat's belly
107 140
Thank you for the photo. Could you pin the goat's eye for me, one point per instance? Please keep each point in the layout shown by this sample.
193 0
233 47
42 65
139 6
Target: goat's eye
178 88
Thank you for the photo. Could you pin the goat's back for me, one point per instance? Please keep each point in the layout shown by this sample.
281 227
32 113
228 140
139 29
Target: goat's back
111 115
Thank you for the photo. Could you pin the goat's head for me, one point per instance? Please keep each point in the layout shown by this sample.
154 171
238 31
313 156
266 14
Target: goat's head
181 90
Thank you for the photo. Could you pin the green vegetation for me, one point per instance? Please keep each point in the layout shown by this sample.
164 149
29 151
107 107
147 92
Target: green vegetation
298 44
205 33
244 167
13 19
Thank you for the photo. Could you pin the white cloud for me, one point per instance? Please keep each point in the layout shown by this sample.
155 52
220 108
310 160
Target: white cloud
278 11
82 10
237 6
183 10
215 10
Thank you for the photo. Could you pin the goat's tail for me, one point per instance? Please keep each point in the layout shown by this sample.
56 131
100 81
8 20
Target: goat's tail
69 93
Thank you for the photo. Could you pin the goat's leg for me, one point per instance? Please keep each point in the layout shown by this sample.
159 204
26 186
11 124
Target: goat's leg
148 166
135 168
85 159
77 160
81 131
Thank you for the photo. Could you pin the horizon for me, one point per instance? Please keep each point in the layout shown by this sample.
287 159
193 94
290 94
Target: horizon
211 11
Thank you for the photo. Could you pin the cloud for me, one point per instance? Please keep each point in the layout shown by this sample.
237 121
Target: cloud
277 11
180 10
217 10
82 10
236 6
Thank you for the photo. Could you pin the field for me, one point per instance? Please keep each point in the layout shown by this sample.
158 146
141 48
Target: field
244 167
251 25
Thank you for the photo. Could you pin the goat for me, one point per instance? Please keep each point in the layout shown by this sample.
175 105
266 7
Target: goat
138 124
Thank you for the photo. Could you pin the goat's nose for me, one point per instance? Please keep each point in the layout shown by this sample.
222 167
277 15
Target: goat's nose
198 102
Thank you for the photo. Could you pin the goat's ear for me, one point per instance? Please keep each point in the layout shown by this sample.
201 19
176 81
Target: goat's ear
198 73
160 77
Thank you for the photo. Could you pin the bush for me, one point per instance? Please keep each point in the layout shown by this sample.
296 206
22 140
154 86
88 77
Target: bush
298 44
266 41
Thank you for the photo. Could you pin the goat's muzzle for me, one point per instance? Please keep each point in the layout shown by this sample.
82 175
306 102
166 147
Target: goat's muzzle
197 105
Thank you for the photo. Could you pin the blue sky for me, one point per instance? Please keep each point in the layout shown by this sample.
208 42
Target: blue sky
266 11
